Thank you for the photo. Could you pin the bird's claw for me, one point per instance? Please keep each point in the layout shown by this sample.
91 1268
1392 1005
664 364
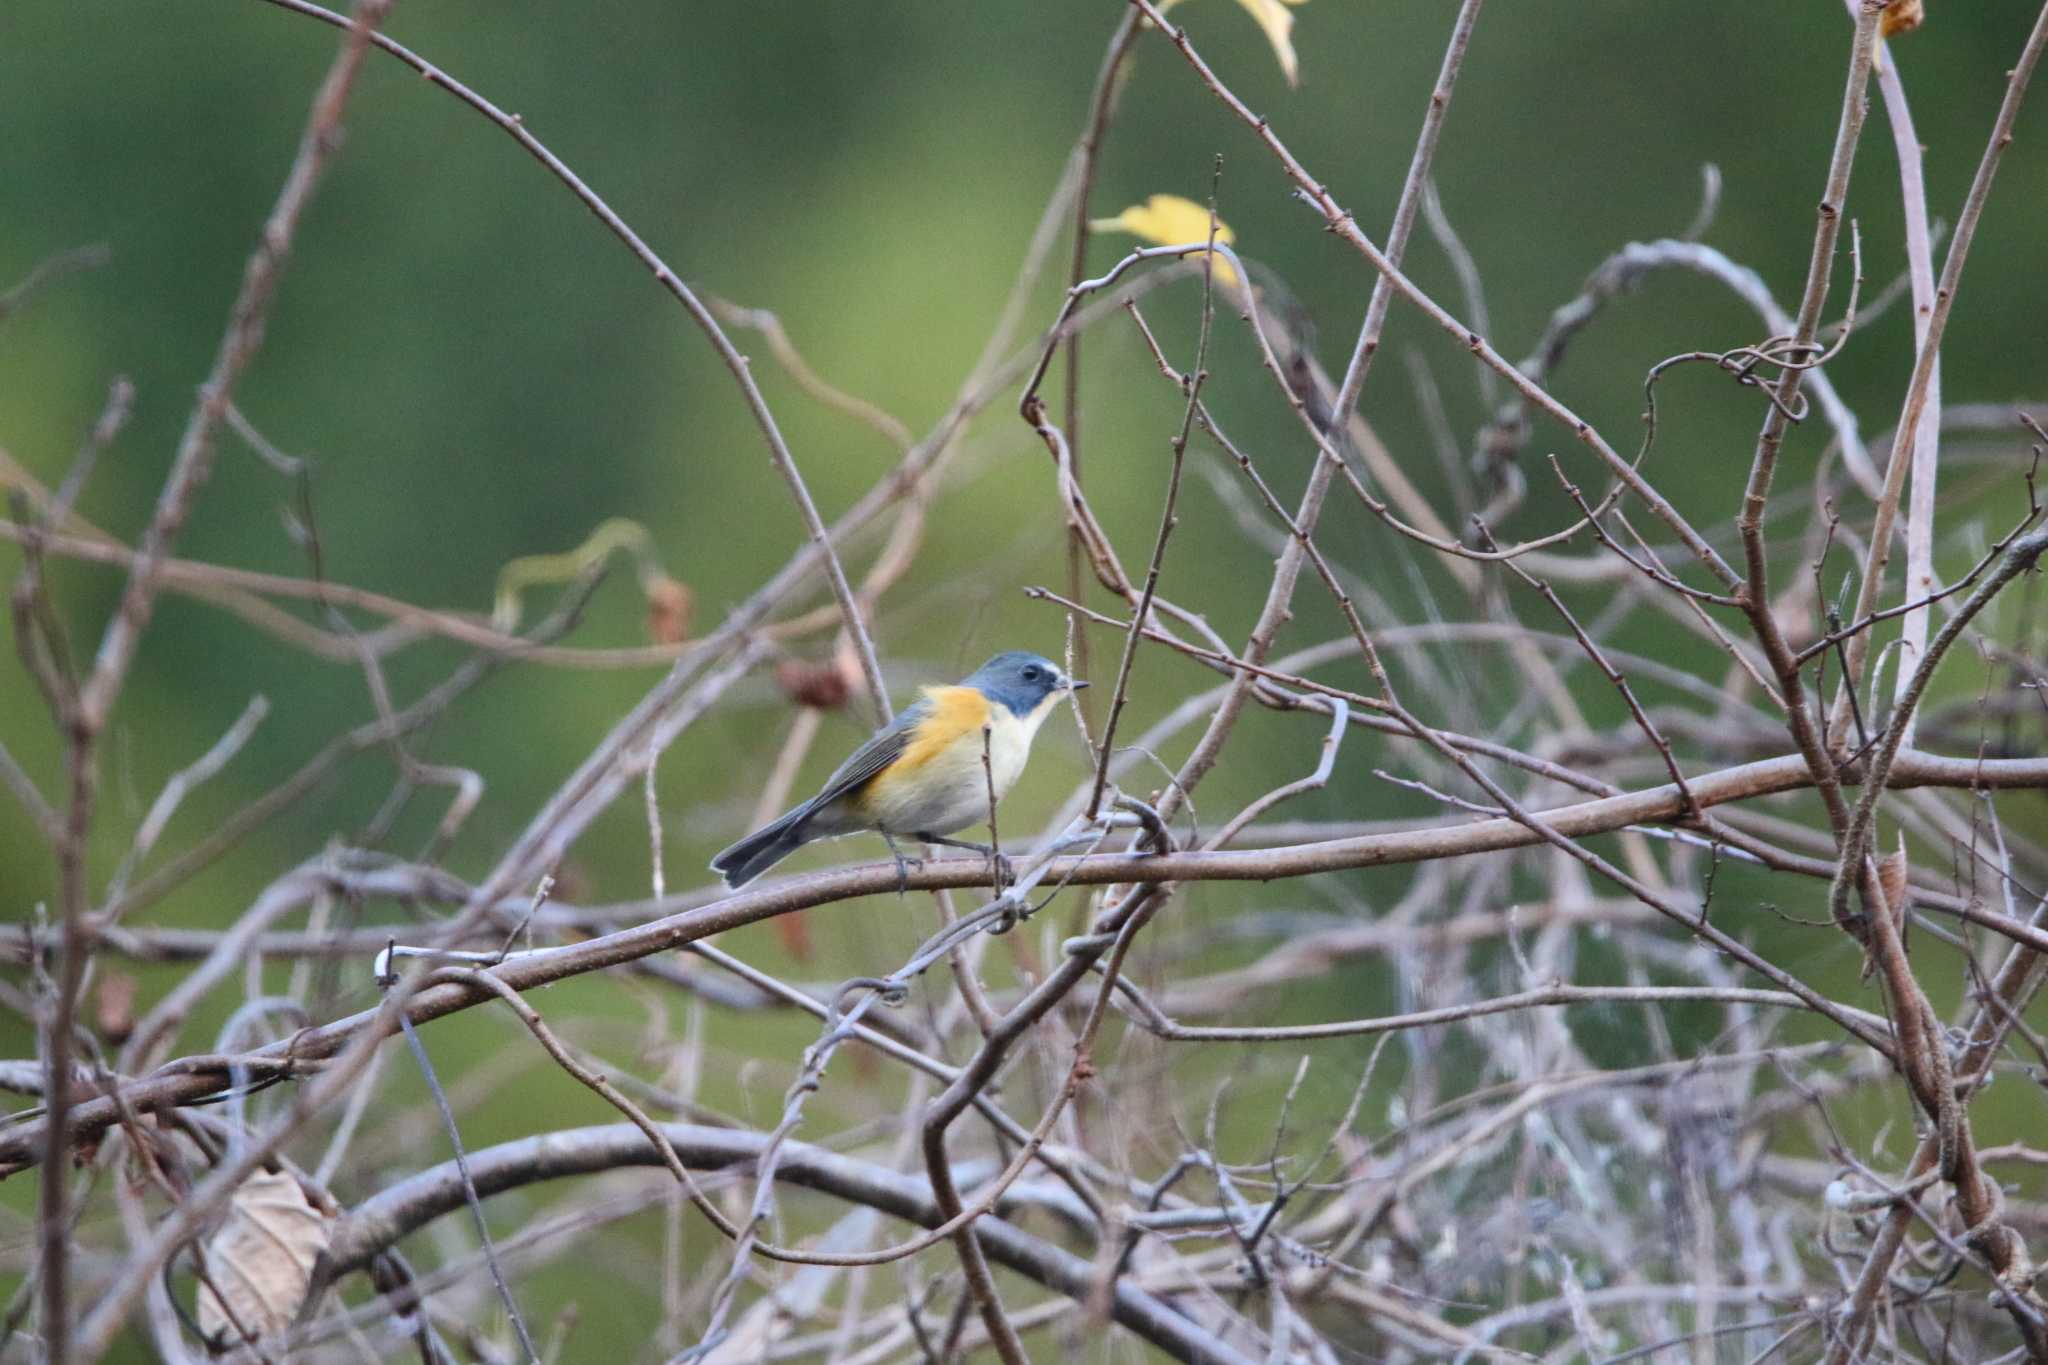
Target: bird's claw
903 865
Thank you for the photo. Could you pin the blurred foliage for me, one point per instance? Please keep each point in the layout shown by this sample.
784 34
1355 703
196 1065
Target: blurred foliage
480 373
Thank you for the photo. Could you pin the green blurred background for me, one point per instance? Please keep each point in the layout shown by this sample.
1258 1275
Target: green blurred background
480 372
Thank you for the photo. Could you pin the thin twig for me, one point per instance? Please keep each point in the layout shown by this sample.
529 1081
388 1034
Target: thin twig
1918 391
476 1208
1384 261
1192 387
95 699
778 449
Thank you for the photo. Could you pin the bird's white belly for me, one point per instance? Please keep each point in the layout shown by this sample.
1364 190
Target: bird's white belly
951 791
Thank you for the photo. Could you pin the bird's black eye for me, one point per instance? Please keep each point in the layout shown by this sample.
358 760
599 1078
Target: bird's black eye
1032 673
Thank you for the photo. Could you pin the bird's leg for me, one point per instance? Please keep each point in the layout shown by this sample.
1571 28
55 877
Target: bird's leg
999 862
903 864
998 866
983 849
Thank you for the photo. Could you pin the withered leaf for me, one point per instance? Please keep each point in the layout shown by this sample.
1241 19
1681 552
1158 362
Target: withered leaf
1901 16
261 1259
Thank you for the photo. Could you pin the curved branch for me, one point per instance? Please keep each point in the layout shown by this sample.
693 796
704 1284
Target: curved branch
757 406
381 1220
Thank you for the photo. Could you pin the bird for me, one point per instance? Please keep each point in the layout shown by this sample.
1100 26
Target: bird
921 776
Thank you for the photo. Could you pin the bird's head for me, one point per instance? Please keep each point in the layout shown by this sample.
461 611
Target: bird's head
1021 681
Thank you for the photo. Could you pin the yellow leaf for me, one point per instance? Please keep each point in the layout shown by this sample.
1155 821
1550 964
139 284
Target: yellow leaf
1900 16
1277 22
1169 220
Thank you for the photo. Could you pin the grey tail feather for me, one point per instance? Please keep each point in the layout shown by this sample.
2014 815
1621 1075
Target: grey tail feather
764 848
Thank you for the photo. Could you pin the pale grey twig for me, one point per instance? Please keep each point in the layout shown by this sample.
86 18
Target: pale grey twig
180 785
476 1208
51 268
1624 272
1918 391
1926 436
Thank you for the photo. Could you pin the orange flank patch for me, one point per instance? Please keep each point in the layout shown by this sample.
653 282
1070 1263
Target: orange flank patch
955 712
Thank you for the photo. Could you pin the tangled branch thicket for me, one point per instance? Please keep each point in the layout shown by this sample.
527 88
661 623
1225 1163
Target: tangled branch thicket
1626 1104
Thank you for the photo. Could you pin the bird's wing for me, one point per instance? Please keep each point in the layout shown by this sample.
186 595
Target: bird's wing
872 757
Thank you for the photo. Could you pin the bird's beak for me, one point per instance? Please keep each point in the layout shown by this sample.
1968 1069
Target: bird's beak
1075 685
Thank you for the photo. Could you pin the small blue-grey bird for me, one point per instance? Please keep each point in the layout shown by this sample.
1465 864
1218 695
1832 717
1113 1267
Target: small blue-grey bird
921 777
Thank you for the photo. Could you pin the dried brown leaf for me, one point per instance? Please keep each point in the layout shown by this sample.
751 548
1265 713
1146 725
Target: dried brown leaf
1892 884
114 1006
1901 16
1891 879
261 1259
823 686
669 606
